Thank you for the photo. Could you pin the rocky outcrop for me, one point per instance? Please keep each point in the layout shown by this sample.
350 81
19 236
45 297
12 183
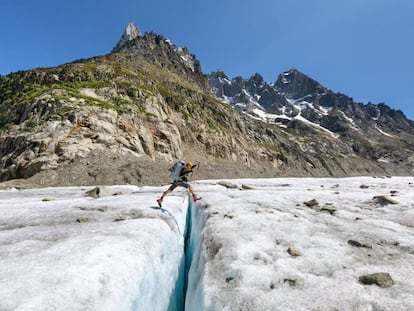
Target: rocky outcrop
131 32
382 279
85 129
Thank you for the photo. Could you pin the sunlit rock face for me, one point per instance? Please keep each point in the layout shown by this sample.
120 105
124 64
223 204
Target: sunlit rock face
131 32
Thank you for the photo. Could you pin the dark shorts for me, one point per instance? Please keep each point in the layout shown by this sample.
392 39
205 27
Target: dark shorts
177 183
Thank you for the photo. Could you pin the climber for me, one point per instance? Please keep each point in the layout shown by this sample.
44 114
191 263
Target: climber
179 173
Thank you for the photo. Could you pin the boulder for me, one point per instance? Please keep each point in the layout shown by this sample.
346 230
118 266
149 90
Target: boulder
94 193
311 203
359 244
227 184
383 200
382 279
294 252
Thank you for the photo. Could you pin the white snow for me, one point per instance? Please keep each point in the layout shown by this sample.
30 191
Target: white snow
325 110
378 114
188 60
224 80
262 114
49 261
124 253
351 122
382 132
248 232
301 100
259 113
315 125
383 160
252 100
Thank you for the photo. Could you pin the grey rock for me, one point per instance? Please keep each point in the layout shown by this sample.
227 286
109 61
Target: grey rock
246 187
294 252
383 200
291 282
382 279
120 218
227 184
311 203
82 219
94 193
131 32
359 244
329 208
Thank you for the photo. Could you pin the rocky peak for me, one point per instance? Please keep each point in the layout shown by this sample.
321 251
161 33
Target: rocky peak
219 74
257 78
131 32
246 94
160 51
255 83
299 102
294 84
300 88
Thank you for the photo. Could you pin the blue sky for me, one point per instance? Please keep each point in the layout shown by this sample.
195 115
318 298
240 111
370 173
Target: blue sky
363 48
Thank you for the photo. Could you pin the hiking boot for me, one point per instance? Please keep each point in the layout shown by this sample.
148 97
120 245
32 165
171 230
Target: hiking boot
159 201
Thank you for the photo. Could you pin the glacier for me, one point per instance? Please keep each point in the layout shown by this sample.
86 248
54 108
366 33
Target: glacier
63 250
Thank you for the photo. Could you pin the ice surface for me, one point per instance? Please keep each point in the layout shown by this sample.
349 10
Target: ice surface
60 250
248 232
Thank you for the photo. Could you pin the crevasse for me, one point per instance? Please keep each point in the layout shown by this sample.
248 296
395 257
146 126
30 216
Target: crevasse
188 292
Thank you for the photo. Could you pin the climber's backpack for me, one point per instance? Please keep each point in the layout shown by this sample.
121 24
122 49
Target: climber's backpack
176 169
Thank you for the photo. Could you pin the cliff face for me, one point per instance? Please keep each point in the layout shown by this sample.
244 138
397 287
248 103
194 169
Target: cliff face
58 116
124 117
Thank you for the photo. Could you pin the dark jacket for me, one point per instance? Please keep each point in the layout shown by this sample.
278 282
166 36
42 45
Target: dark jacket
185 171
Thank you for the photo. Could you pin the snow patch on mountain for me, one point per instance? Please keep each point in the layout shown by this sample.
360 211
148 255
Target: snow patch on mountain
382 132
317 126
252 103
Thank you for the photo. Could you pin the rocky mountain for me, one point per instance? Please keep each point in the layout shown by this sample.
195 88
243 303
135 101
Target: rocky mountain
125 116
296 101
130 33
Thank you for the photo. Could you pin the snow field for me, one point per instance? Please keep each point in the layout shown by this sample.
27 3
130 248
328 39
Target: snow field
247 235
124 257
248 249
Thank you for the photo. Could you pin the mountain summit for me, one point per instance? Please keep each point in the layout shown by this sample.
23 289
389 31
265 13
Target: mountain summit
125 116
160 51
130 33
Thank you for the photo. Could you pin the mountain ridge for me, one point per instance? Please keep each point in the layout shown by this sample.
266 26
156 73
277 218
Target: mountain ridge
295 97
125 116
